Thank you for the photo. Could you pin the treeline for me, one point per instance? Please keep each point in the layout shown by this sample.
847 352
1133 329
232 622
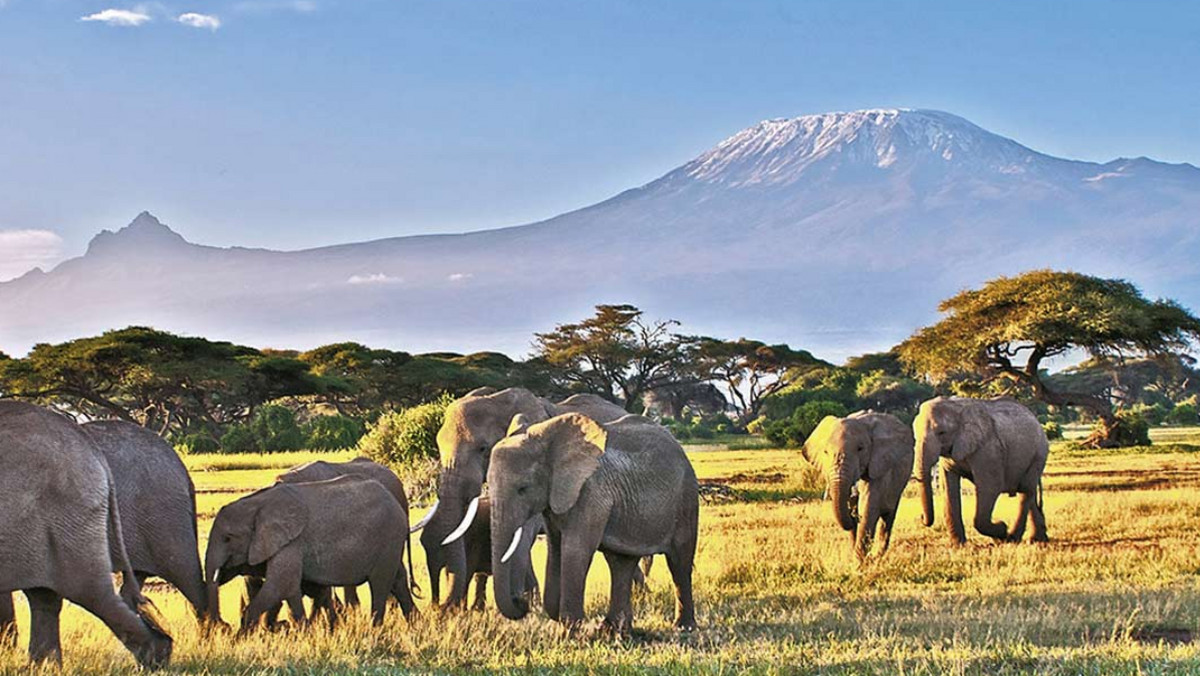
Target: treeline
207 395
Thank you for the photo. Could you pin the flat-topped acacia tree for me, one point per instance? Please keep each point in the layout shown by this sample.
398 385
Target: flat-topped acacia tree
1011 325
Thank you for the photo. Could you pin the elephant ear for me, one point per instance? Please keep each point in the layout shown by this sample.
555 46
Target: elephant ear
518 425
280 520
976 430
575 444
480 392
818 441
890 440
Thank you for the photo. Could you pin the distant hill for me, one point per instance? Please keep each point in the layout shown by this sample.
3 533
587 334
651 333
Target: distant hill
838 233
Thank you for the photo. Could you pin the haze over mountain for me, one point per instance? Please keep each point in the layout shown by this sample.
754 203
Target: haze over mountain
838 233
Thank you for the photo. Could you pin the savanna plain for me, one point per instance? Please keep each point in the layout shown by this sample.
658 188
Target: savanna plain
779 590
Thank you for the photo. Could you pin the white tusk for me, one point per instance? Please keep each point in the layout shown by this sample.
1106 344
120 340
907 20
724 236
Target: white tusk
425 521
512 547
466 522
216 576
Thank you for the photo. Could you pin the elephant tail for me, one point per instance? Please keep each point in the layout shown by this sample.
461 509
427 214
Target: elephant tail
131 591
413 585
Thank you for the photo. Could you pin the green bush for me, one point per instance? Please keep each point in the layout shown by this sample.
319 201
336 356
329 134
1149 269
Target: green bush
1131 429
332 432
1184 413
239 439
794 430
1053 430
196 443
273 429
1154 414
407 436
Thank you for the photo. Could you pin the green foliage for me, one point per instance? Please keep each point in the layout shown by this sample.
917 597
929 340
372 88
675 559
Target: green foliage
188 444
699 427
1053 430
1129 429
750 370
273 429
795 429
332 432
406 437
1184 413
239 439
1154 414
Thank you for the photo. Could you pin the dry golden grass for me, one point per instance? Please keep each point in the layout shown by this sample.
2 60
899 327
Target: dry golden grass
779 591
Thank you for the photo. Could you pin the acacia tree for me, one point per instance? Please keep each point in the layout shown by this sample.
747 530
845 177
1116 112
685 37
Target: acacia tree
614 353
1008 328
750 370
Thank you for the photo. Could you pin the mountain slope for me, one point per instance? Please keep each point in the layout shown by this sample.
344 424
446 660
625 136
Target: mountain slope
835 232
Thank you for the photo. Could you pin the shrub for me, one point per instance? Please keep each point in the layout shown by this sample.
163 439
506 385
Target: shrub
794 430
1053 430
1154 414
1184 413
332 432
407 436
196 443
272 429
1131 429
238 439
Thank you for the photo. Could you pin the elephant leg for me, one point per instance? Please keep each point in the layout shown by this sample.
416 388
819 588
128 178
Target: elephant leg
295 605
576 559
459 578
953 504
867 524
1039 518
480 591
435 578
385 583
885 531
680 560
1018 528
552 596
985 502
639 580
44 608
620 603
281 583
8 622
142 637
189 580
402 591
350 594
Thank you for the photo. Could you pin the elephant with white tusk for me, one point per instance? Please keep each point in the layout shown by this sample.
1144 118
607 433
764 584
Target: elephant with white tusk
997 444
477 539
61 528
869 451
472 426
625 488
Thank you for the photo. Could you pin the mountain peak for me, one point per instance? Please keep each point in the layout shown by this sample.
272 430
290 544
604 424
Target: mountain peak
145 232
779 151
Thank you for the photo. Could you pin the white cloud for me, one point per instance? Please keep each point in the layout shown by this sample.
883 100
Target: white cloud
119 17
460 276
197 20
378 278
23 250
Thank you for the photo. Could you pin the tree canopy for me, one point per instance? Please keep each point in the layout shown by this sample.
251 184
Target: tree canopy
1011 325
750 370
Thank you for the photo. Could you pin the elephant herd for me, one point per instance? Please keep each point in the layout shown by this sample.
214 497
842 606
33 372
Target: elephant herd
80 502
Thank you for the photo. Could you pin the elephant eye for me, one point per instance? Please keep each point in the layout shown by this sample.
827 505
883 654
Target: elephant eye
522 490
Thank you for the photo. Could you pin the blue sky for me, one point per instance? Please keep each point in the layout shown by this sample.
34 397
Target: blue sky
299 123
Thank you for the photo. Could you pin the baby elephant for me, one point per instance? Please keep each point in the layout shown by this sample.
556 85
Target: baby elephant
341 532
873 451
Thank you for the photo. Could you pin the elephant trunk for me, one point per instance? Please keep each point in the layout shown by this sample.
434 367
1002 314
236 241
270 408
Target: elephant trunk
928 458
506 536
839 493
213 560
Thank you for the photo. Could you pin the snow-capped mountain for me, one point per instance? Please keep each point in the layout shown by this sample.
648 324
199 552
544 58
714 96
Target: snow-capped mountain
838 233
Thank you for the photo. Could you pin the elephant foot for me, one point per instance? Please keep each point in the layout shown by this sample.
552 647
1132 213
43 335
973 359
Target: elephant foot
615 628
1041 538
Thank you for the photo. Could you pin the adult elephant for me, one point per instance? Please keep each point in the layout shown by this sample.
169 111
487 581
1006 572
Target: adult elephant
871 450
61 529
625 488
472 426
158 507
998 445
321 470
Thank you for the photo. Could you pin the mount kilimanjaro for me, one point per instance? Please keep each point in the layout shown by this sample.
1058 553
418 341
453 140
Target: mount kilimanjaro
838 233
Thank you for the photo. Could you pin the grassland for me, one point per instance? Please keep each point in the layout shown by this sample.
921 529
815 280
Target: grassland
779 591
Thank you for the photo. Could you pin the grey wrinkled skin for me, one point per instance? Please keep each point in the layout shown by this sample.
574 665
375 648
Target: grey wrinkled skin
320 470
60 534
472 426
158 507
477 542
341 532
873 451
624 488
997 444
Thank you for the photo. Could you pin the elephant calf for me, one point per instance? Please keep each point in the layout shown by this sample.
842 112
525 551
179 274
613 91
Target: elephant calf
873 450
625 488
340 532
996 443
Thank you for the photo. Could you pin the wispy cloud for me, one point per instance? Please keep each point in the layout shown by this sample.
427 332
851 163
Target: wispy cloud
301 6
23 250
119 17
460 276
378 278
197 20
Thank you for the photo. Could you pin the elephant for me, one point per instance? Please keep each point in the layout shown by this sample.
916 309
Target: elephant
158 507
472 425
998 445
321 470
624 488
61 528
338 532
871 450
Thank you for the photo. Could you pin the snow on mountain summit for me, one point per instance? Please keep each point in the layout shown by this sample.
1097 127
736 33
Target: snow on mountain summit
780 151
